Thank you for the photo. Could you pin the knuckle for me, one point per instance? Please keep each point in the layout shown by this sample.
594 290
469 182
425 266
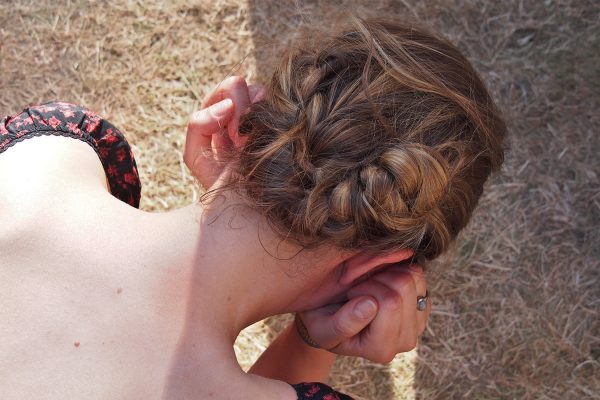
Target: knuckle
391 300
403 280
418 276
410 344
383 357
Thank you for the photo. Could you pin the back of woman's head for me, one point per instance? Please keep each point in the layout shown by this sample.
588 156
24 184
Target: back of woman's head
378 138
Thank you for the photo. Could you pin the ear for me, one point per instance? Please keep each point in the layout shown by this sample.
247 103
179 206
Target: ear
363 263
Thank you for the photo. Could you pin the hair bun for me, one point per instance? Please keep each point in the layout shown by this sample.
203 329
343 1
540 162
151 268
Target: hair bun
379 138
398 196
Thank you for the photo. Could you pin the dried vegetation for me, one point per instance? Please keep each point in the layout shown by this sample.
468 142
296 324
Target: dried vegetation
517 304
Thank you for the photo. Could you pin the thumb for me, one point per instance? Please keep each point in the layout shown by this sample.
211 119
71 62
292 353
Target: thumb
330 330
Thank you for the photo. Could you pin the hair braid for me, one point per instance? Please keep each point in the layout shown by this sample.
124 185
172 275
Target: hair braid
380 138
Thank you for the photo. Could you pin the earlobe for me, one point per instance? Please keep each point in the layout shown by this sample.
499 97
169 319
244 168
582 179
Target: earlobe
362 263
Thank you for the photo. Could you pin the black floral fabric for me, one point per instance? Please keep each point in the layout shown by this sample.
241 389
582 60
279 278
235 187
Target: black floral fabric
64 119
318 391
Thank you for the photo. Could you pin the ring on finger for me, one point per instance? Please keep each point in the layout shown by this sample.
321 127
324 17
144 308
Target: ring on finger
422 301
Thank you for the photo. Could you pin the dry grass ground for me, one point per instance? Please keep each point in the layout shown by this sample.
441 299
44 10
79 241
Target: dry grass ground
516 306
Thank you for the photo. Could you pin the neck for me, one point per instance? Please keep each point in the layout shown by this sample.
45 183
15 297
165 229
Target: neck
241 271
238 272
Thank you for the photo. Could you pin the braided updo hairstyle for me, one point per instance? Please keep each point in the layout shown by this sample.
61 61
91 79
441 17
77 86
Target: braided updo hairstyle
378 138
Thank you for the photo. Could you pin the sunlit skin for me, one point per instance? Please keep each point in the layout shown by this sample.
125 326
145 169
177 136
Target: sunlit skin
101 300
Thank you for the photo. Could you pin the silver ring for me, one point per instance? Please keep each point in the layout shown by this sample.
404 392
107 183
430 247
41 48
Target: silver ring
422 301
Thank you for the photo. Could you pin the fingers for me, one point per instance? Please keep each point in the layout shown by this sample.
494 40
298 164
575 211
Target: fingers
415 272
393 329
403 283
329 328
202 126
214 130
211 119
236 89
420 283
398 323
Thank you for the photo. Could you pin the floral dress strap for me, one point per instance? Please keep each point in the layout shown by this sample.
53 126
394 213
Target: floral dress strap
70 120
318 391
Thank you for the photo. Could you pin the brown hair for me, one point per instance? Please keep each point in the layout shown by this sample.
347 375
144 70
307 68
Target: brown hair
377 138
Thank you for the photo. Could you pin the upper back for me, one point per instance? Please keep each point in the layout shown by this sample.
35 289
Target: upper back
77 276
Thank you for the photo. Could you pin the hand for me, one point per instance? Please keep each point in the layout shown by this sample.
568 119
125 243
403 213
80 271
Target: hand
379 320
213 131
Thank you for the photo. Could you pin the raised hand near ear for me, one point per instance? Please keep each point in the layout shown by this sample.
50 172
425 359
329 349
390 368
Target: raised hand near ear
213 131
379 320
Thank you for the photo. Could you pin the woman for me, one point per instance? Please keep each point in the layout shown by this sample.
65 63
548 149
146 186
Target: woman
367 150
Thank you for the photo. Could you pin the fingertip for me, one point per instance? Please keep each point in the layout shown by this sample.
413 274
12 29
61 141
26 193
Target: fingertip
257 93
216 112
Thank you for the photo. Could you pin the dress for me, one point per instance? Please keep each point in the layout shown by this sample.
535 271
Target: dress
70 120
64 119
318 391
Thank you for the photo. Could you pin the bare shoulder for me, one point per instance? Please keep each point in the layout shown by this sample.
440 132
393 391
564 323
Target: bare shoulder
41 170
40 176
49 164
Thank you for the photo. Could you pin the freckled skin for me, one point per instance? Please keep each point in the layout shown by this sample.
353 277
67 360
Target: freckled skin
119 290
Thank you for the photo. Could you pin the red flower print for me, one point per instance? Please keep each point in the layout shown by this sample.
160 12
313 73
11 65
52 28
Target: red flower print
89 114
318 391
313 390
54 122
109 139
112 170
130 178
68 113
120 155
92 125
72 126
63 119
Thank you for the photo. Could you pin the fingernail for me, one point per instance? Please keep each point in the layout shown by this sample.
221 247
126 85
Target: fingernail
221 108
365 309
252 92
